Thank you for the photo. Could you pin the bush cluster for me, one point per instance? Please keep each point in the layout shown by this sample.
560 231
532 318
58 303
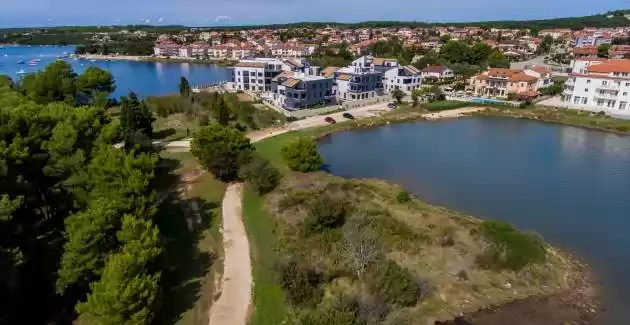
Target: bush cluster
301 284
302 155
260 175
511 249
397 285
325 212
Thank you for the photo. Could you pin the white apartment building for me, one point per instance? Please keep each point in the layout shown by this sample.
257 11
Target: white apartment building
405 78
293 90
600 85
257 74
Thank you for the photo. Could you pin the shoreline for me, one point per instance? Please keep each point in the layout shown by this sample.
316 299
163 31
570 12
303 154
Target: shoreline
146 58
577 302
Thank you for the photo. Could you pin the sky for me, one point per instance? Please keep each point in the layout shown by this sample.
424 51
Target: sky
28 13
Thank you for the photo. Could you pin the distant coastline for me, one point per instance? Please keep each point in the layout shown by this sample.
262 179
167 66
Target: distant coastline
146 58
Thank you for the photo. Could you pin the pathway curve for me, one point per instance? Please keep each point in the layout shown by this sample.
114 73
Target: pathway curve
233 305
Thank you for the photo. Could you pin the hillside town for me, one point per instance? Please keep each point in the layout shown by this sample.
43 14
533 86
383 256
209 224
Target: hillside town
281 64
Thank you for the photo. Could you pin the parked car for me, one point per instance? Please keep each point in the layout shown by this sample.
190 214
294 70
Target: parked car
348 116
391 105
330 120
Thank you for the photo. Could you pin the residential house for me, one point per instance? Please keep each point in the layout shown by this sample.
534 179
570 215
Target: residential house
166 49
405 78
603 85
256 74
498 82
437 72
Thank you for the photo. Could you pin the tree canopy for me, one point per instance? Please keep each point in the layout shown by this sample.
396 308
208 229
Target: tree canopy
302 155
76 213
222 150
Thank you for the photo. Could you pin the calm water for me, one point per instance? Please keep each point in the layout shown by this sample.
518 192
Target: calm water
144 78
572 185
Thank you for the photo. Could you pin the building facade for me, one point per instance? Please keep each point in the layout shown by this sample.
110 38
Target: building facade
406 78
602 85
299 90
256 74
498 82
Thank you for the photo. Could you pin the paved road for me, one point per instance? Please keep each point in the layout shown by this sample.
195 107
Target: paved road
308 122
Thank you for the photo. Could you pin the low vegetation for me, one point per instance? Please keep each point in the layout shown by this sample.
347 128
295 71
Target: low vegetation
343 248
579 118
302 155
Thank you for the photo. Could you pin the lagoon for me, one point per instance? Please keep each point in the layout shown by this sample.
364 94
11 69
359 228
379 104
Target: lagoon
144 78
571 185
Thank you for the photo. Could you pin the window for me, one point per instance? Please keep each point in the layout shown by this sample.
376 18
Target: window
588 81
600 102
627 83
584 101
623 105
604 82
576 100
625 93
585 90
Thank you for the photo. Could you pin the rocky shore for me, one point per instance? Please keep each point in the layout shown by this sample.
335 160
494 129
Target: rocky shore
578 304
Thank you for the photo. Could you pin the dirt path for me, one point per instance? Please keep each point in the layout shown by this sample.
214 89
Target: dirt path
232 307
453 113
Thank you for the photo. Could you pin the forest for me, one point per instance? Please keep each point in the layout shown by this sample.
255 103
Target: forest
78 239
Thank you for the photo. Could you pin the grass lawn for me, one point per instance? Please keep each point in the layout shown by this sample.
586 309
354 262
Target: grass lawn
193 258
268 299
174 127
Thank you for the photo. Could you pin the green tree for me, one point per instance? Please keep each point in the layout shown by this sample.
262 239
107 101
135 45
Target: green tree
479 53
415 96
94 82
497 60
222 112
6 81
135 119
545 45
221 150
398 95
260 175
127 290
602 50
455 52
56 83
302 155
184 87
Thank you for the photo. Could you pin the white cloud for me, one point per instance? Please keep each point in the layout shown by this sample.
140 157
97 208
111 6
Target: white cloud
146 21
160 19
222 18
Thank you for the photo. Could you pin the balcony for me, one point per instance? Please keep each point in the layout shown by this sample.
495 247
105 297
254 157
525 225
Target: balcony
610 86
570 82
606 95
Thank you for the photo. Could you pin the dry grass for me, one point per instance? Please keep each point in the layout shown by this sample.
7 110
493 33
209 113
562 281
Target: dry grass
433 243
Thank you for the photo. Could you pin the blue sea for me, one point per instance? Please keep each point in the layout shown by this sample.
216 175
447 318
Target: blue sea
143 78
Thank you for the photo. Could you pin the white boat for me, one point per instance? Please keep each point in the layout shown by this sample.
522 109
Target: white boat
21 72
20 62
92 60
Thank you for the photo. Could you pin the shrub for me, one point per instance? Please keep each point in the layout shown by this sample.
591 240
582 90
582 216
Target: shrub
403 197
260 175
222 150
623 128
291 118
328 316
511 248
397 285
325 212
302 155
302 285
204 120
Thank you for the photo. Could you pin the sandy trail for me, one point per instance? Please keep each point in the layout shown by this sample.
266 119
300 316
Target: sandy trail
232 307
